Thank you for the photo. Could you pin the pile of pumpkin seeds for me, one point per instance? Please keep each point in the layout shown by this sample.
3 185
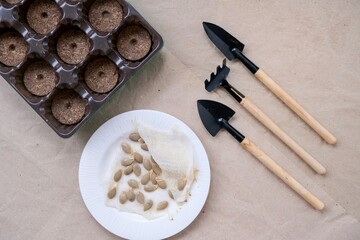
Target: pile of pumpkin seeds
151 179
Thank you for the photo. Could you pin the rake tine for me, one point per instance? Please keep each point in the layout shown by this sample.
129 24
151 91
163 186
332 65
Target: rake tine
218 69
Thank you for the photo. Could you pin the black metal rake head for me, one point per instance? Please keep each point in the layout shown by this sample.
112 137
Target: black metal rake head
218 79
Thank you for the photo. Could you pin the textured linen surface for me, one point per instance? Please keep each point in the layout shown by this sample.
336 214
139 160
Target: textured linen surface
310 48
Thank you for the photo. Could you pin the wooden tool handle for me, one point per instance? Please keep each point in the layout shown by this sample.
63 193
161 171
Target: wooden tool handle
293 105
282 174
264 119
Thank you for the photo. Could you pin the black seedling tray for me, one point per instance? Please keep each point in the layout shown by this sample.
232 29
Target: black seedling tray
42 47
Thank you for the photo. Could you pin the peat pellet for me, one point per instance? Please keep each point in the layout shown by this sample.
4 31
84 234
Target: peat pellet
73 46
105 15
43 16
68 107
134 42
13 48
40 78
101 75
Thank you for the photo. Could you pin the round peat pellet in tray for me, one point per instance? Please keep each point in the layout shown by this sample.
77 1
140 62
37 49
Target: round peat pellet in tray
43 16
101 75
13 48
73 46
134 42
105 15
40 78
68 107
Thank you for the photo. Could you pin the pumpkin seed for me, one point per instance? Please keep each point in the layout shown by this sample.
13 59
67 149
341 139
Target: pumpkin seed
147 164
128 170
162 205
133 183
170 194
111 194
134 136
137 169
161 183
130 195
117 175
181 184
145 179
127 162
140 198
126 148
150 188
138 157
141 140
123 197
153 177
156 169
144 147
148 205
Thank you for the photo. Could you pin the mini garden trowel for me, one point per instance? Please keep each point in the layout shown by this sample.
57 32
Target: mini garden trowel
215 116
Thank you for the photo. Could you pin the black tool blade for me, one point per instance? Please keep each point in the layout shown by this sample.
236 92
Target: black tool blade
211 114
216 79
223 40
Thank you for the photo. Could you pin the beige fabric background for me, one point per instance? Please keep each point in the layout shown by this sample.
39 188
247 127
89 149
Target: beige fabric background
311 48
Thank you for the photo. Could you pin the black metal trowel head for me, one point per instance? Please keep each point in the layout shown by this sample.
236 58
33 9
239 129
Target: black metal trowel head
213 114
223 40
217 80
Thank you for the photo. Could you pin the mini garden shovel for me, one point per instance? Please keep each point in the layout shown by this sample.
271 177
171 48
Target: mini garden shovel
215 116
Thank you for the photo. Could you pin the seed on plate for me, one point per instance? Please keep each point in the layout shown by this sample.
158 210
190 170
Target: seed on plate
126 148
136 169
134 136
140 198
152 160
181 184
150 188
111 194
127 162
170 194
147 164
145 179
156 169
130 195
153 177
133 183
128 170
117 175
141 140
161 183
162 205
144 147
138 157
148 205
123 197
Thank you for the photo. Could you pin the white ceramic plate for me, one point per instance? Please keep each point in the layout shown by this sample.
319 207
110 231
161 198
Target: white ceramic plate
128 225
